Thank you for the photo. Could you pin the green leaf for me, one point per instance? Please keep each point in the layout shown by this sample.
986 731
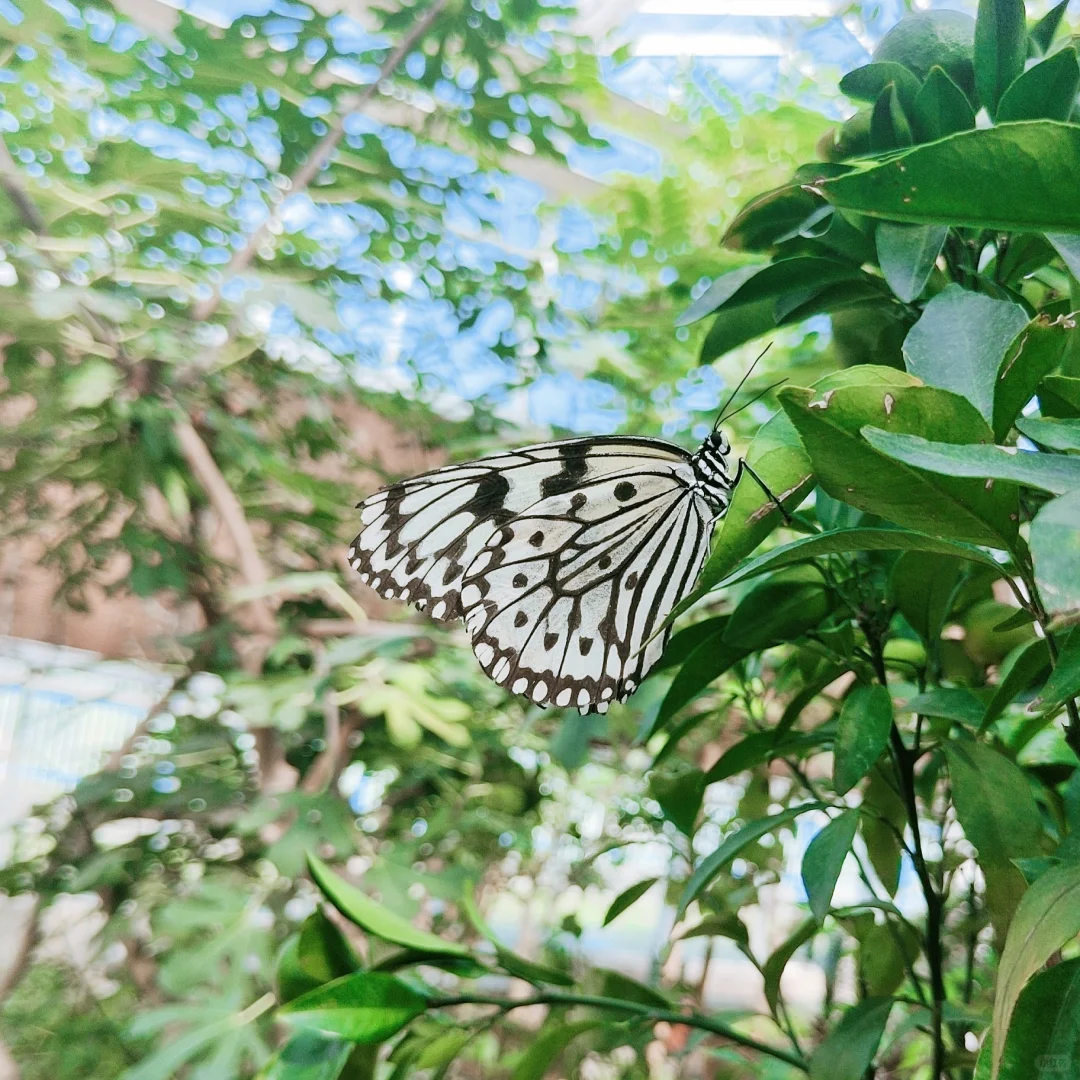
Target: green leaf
922 585
849 1048
1045 91
308 1056
317 955
627 898
368 1007
745 754
889 127
1059 395
906 255
1044 1031
1009 178
1021 668
1064 680
883 821
862 733
824 859
1055 434
1045 30
993 801
953 703
867 83
1047 918
679 795
858 539
850 468
1035 351
883 949
1047 472
773 968
547 1045
371 916
712 864
614 984
780 609
941 108
1000 49
771 218
718 293
703 666
90 384
736 326
1055 550
510 962
960 341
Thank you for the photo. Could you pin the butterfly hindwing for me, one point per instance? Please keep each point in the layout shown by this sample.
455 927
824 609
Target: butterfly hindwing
420 535
563 598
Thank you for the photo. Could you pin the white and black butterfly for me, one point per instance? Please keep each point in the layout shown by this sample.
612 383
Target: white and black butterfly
562 558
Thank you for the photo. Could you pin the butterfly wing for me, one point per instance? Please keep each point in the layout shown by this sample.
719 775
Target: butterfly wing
563 598
419 535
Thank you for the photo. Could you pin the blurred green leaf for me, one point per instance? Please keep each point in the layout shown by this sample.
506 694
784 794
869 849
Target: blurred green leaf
773 968
862 733
867 83
627 898
1045 30
848 1050
1055 550
547 1045
679 795
824 859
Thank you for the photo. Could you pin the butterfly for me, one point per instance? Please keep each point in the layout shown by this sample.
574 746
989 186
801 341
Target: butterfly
562 558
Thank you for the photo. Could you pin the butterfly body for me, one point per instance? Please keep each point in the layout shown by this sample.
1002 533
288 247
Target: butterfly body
562 558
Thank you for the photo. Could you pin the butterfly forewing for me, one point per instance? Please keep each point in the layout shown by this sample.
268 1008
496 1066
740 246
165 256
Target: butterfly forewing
420 535
562 600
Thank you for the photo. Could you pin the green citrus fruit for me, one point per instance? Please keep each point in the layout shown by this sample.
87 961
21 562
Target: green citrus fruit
945 38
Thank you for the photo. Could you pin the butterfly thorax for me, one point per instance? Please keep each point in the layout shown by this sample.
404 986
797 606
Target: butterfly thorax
710 465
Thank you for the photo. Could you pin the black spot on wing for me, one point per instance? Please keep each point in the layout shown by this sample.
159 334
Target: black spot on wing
625 490
489 499
575 464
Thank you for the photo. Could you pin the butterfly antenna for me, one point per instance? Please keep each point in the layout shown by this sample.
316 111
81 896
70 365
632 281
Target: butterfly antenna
731 397
757 397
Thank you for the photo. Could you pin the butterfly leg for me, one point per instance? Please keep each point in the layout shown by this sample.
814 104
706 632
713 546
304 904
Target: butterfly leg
744 464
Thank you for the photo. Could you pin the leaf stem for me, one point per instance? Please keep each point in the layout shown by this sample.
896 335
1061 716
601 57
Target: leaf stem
645 1012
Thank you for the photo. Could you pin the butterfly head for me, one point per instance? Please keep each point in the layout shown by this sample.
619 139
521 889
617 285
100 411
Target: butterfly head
710 465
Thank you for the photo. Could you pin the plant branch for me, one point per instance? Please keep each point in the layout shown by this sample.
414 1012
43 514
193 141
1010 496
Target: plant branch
320 156
645 1012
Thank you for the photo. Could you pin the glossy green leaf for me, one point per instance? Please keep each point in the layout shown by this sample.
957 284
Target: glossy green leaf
1047 918
960 341
1034 352
703 666
906 255
848 1050
1053 434
368 1007
708 867
627 898
889 127
719 293
824 859
1047 472
1011 178
1000 49
736 326
1045 30
1059 396
773 968
1055 550
941 108
1045 91
371 916
955 703
1044 1031
867 83
771 218
850 468
317 955
546 1046
862 733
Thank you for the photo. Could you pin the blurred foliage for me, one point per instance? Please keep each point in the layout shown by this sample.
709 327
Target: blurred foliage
335 849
